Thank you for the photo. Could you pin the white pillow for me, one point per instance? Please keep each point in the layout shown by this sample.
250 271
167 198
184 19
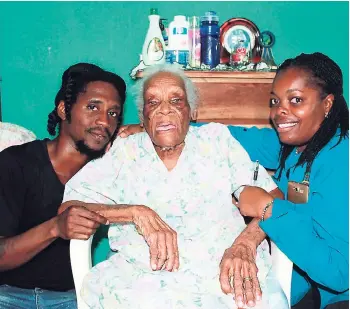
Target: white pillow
12 134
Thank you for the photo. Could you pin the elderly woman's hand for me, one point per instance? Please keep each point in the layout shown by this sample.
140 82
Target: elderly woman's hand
160 237
252 202
95 207
125 131
238 274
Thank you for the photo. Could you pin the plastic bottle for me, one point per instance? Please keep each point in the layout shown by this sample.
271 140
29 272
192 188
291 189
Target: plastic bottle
194 39
178 48
164 27
153 51
210 43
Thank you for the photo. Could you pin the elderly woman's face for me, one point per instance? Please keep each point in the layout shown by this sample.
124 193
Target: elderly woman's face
166 111
297 110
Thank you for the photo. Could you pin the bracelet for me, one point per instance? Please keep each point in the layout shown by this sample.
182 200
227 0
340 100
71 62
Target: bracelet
265 209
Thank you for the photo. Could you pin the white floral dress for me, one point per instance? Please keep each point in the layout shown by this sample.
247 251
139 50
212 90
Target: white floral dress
195 200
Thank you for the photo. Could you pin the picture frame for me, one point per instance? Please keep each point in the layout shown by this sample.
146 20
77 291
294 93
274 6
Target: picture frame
237 30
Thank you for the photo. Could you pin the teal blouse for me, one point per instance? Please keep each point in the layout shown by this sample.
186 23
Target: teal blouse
315 236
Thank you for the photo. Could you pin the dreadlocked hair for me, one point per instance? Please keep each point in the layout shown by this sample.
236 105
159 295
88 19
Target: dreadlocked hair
74 82
327 76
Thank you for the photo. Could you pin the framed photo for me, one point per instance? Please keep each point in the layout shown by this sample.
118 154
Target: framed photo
236 33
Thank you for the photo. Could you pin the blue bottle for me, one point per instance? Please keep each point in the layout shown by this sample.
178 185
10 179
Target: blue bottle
210 42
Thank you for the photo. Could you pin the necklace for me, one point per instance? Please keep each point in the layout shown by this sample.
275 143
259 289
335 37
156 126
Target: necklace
297 151
172 147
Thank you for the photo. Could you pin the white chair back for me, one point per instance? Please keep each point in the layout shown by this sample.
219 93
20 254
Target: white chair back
283 267
81 262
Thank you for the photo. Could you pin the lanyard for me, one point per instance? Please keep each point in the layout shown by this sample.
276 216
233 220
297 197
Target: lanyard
306 179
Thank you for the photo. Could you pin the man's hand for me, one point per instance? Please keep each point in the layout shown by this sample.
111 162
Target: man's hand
160 237
125 131
74 221
238 274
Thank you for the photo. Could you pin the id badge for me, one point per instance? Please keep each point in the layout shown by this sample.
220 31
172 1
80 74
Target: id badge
298 192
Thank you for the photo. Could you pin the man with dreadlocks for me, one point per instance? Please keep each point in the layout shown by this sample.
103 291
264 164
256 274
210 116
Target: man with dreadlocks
310 226
35 266
311 154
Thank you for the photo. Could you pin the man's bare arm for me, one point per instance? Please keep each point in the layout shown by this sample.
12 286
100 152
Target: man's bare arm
17 250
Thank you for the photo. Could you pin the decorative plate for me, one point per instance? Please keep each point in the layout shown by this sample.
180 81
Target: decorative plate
237 30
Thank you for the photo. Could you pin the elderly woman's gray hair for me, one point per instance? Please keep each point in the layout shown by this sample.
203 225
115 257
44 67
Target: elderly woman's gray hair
190 89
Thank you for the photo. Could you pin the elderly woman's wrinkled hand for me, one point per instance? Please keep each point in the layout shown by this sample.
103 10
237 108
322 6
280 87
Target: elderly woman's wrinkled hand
160 237
89 206
238 274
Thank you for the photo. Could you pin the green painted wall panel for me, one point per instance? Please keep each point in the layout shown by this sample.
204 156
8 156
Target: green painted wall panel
38 40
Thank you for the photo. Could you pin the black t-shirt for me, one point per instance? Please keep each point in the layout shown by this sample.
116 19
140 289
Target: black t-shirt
30 194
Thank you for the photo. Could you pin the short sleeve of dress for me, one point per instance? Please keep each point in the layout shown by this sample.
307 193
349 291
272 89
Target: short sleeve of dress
241 166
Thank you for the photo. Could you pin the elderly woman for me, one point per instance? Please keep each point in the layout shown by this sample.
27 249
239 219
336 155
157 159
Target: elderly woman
168 252
311 152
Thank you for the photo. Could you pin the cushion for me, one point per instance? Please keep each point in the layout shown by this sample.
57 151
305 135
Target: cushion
12 134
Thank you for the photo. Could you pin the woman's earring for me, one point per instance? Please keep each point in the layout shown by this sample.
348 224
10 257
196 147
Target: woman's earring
326 115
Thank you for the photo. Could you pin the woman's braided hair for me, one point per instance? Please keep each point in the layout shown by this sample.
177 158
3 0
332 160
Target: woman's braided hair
74 82
327 76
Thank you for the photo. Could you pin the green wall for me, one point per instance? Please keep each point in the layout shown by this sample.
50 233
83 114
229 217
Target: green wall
39 40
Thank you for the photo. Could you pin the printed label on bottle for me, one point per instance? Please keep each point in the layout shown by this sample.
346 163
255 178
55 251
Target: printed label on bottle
155 50
180 30
179 56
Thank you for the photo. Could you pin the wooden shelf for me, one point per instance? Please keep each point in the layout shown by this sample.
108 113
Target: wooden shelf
237 98
227 76
247 122
230 77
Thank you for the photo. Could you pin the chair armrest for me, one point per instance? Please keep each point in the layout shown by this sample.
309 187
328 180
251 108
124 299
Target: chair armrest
282 267
81 262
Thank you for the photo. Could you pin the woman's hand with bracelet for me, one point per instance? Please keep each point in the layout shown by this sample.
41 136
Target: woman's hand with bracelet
255 202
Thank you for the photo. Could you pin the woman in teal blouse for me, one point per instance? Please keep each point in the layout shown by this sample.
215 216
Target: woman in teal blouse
311 118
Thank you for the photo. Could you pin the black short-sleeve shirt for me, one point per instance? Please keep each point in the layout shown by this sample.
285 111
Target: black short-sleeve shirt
30 194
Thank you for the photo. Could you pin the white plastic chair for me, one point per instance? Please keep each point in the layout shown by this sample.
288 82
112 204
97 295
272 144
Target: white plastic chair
283 267
81 262
80 256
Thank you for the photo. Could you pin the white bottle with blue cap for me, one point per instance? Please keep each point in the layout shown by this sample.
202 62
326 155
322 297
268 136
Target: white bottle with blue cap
178 47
